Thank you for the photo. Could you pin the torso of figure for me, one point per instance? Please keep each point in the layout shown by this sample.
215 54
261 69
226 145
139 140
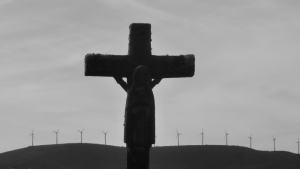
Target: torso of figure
139 115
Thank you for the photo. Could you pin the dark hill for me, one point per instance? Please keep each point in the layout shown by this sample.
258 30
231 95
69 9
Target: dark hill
92 156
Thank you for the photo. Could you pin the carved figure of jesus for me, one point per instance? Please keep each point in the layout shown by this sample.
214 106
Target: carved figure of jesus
139 126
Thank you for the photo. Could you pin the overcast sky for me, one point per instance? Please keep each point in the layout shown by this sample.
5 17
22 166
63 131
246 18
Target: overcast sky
246 79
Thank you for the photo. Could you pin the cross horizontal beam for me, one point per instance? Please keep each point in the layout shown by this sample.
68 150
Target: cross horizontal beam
123 65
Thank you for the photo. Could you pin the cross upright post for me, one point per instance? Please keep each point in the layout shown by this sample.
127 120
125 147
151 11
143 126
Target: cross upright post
143 71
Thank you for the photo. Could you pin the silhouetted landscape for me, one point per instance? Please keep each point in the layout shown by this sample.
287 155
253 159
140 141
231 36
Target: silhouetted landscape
92 156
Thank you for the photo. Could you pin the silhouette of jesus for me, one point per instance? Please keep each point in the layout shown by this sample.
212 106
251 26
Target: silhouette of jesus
139 126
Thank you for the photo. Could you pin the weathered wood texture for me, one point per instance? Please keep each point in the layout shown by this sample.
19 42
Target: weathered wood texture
123 65
139 41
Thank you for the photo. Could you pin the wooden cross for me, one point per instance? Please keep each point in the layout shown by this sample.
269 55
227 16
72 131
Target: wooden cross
139 53
118 66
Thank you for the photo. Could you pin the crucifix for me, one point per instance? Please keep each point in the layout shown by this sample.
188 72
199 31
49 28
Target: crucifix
143 71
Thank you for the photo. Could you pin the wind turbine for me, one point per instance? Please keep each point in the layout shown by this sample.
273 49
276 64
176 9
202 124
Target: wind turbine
202 134
32 135
81 134
105 135
274 142
298 145
226 134
56 132
178 134
250 140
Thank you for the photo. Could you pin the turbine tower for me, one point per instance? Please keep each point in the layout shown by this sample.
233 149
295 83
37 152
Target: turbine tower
226 134
56 132
32 135
298 145
274 142
202 134
81 134
250 141
178 134
104 136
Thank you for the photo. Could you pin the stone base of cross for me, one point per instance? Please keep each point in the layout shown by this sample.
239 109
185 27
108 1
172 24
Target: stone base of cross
143 71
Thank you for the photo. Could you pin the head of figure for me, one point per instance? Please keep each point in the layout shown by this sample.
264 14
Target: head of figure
141 76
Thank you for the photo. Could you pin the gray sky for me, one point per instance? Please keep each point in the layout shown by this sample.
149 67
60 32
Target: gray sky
246 79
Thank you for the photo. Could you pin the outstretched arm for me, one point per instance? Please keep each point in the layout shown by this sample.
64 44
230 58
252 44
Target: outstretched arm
154 82
121 82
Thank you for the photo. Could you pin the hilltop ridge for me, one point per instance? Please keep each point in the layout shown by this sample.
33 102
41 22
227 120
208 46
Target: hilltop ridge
92 156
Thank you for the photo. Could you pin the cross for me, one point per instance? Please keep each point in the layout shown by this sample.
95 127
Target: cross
139 59
139 53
